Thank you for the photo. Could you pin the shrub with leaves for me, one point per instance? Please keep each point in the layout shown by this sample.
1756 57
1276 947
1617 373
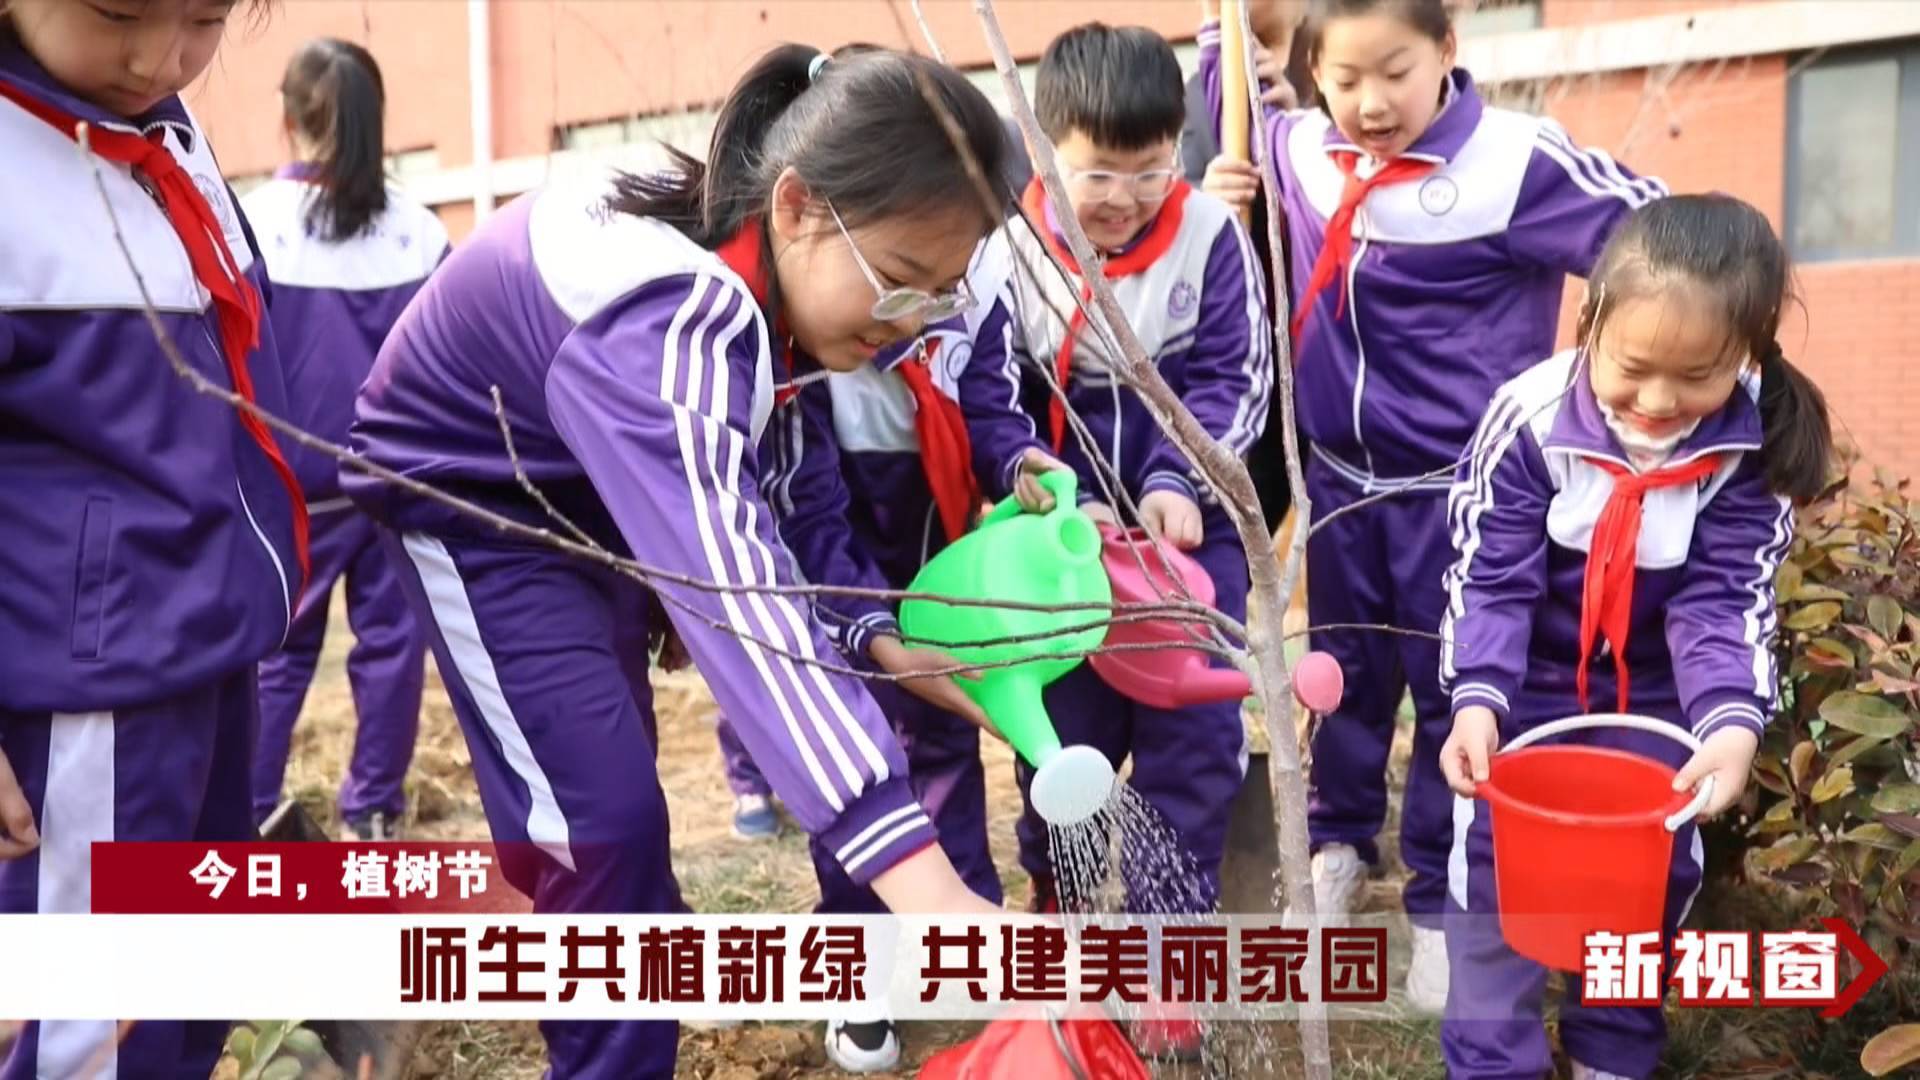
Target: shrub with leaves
273 1049
1837 797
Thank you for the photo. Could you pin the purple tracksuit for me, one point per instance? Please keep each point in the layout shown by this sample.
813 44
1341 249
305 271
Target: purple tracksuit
333 304
637 378
1522 516
147 552
859 427
1199 308
1454 288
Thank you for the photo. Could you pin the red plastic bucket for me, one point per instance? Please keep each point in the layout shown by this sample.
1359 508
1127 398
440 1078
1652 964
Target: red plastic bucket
1582 838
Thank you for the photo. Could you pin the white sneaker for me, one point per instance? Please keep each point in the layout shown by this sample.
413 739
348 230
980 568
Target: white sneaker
867 1046
1427 975
1338 873
1588 1072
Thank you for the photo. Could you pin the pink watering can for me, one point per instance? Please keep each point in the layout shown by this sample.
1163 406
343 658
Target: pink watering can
1162 678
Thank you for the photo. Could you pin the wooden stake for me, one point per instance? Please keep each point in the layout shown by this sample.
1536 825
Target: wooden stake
1234 117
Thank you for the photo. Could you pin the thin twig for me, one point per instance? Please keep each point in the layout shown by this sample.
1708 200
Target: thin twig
926 31
526 482
1378 628
1406 484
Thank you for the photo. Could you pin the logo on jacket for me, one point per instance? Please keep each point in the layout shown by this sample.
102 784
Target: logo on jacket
1183 299
1438 195
216 197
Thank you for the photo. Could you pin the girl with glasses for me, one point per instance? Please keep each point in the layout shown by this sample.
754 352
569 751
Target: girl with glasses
642 333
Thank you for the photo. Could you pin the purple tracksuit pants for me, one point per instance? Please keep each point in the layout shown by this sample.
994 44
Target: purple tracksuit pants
1188 763
943 761
545 660
386 668
1493 1028
1381 564
173 770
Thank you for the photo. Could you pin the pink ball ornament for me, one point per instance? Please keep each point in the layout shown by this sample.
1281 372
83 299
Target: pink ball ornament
1318 682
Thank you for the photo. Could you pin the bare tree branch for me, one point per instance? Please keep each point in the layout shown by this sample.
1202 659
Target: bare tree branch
1286 769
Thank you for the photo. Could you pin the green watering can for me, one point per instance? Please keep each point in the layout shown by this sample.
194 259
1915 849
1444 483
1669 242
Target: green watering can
1050 558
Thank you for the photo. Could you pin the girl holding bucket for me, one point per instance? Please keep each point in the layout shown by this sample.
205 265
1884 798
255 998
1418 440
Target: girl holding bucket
640 330
1618 529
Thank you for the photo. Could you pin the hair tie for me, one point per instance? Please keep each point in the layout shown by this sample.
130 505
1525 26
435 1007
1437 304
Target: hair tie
813 66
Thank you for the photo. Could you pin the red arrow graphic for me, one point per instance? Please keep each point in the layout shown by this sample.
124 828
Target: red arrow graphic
1871 968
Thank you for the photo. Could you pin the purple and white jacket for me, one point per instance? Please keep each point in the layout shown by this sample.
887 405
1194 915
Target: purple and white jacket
637 377
1455 282
1522 514
333 304
875 524
146 541
1200 311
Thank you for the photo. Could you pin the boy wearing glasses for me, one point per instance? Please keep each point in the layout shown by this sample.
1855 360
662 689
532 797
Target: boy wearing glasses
1112 102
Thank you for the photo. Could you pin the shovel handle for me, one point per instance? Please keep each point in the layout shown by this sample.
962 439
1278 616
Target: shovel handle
1702 793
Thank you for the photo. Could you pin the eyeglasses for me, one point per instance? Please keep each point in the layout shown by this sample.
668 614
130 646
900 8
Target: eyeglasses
1101 185
902 302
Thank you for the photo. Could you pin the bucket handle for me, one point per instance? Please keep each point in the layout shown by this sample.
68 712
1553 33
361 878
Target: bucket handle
1680 817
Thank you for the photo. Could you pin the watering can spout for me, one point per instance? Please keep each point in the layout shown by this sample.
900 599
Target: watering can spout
1012 701
1208 684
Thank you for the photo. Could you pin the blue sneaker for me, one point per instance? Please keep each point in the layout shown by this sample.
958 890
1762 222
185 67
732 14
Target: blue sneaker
754 819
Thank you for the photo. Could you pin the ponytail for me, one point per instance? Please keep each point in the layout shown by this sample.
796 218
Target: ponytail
336 100
865 128
1797 439
702 199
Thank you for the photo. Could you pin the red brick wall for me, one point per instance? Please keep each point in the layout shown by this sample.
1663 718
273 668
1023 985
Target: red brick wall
573 61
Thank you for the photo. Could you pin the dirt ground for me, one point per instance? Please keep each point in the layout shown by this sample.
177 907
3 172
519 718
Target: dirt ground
717 873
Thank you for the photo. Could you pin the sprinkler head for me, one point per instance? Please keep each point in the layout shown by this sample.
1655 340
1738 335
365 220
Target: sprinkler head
1318 682
1073 785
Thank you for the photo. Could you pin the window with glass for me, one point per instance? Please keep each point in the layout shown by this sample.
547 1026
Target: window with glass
1853 154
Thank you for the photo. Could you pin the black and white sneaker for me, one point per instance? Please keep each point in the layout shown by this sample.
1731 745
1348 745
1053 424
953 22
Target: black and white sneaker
869 1046
376 827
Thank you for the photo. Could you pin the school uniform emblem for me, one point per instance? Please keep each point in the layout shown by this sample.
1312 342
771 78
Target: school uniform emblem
1438 195
1182 300
216 197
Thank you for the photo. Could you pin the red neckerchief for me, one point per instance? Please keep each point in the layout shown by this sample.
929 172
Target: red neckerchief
945 451
1158 239
1606 600
1336 251
236 305
745 253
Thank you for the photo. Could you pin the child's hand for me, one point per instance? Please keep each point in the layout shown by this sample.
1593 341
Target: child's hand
895 658
1271 68
1232 181
1027 489
1101 513
1173 516
1727 756
17 834
1465 754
